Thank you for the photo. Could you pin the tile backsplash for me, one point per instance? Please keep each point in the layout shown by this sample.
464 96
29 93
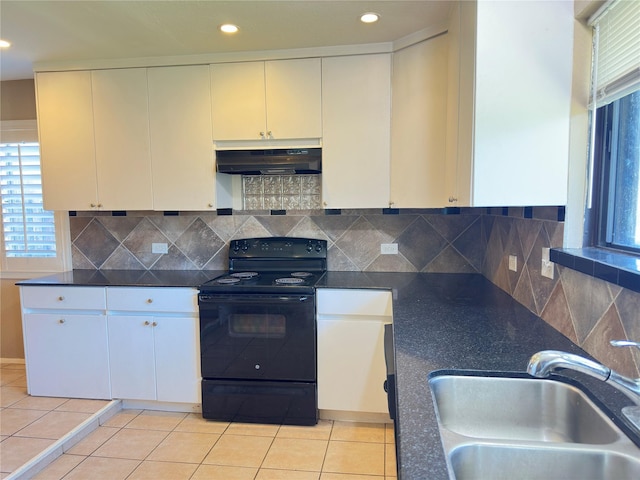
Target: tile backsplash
476 240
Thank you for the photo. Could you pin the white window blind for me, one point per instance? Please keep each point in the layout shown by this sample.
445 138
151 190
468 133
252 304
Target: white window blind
616 68
28 229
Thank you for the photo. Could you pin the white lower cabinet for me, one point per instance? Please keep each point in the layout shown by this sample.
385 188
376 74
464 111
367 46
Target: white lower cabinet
66 355
153 354
154 358
351 366
112 342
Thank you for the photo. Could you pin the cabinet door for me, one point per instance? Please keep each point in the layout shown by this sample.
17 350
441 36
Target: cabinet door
177 359
419 127
351 366
238 101
293 97
67 355
131 357
67 145
181 144
356 124
123 155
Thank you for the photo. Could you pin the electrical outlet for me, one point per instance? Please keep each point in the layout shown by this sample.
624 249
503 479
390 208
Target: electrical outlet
159 248
513 263
546 269
389 248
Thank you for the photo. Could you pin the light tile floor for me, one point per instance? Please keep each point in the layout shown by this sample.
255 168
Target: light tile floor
138 445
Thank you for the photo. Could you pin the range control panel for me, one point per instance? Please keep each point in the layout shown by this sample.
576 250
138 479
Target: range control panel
278 247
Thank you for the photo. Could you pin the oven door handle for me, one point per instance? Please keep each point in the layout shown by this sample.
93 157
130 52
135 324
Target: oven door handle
244 299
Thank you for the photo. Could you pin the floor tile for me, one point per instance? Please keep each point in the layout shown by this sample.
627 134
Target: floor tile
81 405
96 468
355 457
154 420
8 376
196 424
14 366
390 469
348 476
389 436
257 429
296 454
184 447
53 425
59 467
93 441
131 444
224 472
10 395
39 403
122 418
358 432
14 419
163 470
15 451
321 431
21 381
268 474
239 451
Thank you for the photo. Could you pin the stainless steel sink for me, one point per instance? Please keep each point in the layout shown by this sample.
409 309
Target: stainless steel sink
520 409
495 462
525 428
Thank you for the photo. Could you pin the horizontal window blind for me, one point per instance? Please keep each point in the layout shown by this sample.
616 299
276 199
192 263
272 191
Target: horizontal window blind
616 70
28 229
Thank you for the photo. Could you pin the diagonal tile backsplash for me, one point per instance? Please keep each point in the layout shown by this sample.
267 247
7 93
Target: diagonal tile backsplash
426 241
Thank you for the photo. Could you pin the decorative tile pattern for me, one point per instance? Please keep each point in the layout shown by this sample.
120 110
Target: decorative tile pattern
281 192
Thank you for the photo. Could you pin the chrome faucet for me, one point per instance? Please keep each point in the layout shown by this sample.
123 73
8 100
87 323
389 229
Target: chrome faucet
543 363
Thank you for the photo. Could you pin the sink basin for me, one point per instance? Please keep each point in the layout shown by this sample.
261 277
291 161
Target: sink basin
495 427
496 462
519 409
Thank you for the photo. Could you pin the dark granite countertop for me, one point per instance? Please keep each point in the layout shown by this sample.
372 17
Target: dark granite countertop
441 322
125 278
457 322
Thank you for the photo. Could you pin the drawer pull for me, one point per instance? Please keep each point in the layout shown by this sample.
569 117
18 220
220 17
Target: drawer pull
60 298
61 321
146 323
149 300
154 324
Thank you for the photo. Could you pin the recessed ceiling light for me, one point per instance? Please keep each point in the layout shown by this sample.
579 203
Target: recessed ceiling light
4 44
229 28
369 17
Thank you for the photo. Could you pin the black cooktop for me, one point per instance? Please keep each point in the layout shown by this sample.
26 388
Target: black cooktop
263 282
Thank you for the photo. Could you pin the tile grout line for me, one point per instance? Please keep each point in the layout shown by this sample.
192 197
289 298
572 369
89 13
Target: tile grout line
55 450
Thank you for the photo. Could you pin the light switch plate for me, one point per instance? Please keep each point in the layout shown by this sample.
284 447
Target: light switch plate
159 248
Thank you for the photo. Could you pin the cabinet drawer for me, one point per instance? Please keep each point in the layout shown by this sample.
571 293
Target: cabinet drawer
66 298
354 302
152 299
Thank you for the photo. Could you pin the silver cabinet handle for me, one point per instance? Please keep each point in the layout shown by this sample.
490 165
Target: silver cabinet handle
154 324
61 321
149 300
146 323
60 298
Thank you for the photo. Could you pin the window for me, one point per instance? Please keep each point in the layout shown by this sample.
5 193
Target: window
615 220
32 240
28 230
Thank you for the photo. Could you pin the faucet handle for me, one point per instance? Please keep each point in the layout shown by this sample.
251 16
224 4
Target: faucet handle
625 343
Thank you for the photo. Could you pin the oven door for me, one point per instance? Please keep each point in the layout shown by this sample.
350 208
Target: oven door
254 336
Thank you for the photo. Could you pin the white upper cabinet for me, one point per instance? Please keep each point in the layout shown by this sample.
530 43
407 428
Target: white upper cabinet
513 110
273 100
356 124
123 152
418 125
67 144
181 145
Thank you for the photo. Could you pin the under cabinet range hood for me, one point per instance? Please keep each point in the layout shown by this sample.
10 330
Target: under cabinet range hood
280 161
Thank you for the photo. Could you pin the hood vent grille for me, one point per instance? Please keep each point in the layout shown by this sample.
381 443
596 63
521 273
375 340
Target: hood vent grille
270 162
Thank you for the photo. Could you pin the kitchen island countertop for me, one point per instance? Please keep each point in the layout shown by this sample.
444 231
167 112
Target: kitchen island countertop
441 322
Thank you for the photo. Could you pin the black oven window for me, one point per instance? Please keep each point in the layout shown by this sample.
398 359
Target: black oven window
266 325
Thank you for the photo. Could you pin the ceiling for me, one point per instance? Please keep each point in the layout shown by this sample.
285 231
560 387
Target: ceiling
62 31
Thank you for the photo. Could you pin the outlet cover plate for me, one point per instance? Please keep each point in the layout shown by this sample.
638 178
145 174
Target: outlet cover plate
513 263
389 248
159 248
